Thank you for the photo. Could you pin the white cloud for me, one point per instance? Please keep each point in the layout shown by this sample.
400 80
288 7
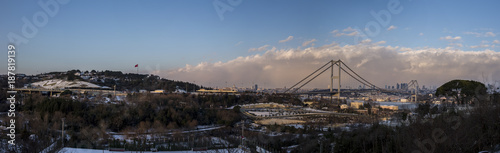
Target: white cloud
450 38
489 34
380 42
480 46
348 32
352 33
421 34
349 29
496 42
366 41
404 49
381 65
479 34
267 67
392 27
308 42
456 44
261 48
239 43
484 44
287 39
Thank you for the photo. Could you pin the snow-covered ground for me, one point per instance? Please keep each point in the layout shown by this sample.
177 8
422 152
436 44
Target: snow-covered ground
317 111
278 112
77 150
61 84
268 113
265 104
200 128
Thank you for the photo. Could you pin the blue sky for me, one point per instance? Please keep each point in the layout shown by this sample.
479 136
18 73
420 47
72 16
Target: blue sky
166 35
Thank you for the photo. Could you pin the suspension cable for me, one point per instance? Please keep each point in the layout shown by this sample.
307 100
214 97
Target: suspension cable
312 79
373 86
307 77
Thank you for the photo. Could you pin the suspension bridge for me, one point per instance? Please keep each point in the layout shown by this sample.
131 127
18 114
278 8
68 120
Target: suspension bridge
351 74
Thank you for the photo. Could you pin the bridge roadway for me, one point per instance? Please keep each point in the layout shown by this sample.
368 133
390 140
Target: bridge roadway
326 91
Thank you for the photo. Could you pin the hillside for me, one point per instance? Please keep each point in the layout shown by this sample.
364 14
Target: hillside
62 84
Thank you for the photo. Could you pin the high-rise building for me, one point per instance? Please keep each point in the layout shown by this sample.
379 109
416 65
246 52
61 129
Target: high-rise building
404 86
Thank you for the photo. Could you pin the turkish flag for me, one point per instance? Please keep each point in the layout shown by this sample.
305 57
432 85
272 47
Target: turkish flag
137 65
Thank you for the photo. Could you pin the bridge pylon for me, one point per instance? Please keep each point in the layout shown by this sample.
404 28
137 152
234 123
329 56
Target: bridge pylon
413 84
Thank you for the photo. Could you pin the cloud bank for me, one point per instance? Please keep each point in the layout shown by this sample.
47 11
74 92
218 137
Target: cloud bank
381 65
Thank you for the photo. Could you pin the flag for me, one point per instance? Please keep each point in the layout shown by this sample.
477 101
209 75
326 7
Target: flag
137 65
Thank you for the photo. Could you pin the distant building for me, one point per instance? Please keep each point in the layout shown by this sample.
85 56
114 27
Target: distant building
225 90
362 111
389 107
309 102
356 104
343 106
158 91
374 110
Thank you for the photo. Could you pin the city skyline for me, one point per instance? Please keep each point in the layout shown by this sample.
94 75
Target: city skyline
269 43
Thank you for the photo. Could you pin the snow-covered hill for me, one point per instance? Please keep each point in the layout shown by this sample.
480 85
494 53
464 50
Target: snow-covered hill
61 84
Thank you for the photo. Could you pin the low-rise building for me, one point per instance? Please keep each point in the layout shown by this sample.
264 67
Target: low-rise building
343 106
158 91
356 104
389 107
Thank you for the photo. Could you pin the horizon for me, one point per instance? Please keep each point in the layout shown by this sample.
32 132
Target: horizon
270 43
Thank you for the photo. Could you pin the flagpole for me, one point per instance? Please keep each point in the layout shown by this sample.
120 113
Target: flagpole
137 67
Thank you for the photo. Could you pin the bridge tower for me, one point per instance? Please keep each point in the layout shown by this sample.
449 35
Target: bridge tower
332 77
338 89
413 84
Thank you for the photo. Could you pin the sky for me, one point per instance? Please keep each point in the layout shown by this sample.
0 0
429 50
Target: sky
273 43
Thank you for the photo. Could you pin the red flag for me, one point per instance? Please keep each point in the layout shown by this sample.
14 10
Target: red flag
137 65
